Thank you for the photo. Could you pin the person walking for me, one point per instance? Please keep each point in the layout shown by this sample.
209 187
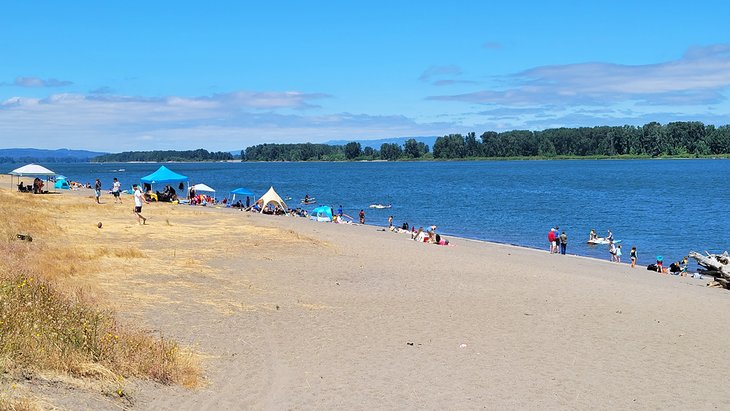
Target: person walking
362 216
97 190
116 190
563 242
612 251
138 200
633 257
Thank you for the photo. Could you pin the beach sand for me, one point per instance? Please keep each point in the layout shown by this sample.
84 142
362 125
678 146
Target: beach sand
287 313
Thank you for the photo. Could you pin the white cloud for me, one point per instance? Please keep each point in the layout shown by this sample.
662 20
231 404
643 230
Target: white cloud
699 77
35 82
227 121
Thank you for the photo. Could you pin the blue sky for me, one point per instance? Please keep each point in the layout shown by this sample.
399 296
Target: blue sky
141 75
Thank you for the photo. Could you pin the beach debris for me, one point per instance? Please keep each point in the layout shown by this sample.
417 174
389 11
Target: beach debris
99 225
462 345
716 265
24 237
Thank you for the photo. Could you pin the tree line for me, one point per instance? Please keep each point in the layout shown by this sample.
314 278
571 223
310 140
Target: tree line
164 155
691 138
651 140
411 149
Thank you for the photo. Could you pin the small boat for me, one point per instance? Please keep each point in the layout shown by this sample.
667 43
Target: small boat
601 241
380 206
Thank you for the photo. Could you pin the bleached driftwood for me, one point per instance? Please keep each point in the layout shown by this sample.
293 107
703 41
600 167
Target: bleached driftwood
716 265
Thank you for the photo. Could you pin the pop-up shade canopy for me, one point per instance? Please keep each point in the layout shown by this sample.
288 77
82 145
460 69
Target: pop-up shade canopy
202 187
32 170
164 175
242 192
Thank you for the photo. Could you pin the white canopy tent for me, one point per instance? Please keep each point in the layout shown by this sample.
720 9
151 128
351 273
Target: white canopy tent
202 188
33 170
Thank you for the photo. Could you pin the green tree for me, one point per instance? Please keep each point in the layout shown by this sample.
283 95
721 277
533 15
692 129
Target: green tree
352 150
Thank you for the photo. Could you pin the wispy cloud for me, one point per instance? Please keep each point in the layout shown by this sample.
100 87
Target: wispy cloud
699 77
223 121
439 71
491 45
35 82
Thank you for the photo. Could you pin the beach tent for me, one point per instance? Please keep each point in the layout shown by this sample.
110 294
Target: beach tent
321 213
62 184
202 187
240 192
33 170
271 198
164 175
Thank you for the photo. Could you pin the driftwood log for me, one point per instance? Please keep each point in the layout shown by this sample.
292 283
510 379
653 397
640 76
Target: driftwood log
716 265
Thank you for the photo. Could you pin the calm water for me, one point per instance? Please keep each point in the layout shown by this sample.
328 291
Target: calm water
666 207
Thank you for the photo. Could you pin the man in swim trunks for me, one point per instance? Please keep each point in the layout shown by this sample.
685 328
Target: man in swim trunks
116 190
97 190
138 200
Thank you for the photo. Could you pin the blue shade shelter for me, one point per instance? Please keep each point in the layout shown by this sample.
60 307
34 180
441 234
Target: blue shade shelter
242 192
164 175
322 213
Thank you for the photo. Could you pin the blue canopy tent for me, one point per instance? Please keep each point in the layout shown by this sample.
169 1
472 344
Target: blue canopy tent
322 213
242 192
163 175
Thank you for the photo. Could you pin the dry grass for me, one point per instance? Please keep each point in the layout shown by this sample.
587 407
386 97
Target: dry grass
8 403
47 325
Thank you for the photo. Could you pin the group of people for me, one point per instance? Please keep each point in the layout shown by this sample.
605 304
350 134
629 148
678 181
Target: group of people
558 242
421 235
36 188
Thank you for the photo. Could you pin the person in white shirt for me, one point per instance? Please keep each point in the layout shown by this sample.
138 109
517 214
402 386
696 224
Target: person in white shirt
138 200
116 190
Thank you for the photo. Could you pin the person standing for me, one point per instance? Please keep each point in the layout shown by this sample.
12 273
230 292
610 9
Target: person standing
618 253
116 190
552 239
633 257
97 190
362 216
563 242
138 200
390 222
339 211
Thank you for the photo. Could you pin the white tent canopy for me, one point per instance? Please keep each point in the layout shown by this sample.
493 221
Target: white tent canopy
271 198
32 170
202 187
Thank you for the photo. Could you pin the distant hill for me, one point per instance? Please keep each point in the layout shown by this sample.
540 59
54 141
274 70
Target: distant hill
428 140
28 155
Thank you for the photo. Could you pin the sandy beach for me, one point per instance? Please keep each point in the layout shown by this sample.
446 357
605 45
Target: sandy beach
288 313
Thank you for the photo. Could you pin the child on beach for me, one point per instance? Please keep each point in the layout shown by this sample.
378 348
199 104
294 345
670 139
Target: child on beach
632 255
618 253
659 264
